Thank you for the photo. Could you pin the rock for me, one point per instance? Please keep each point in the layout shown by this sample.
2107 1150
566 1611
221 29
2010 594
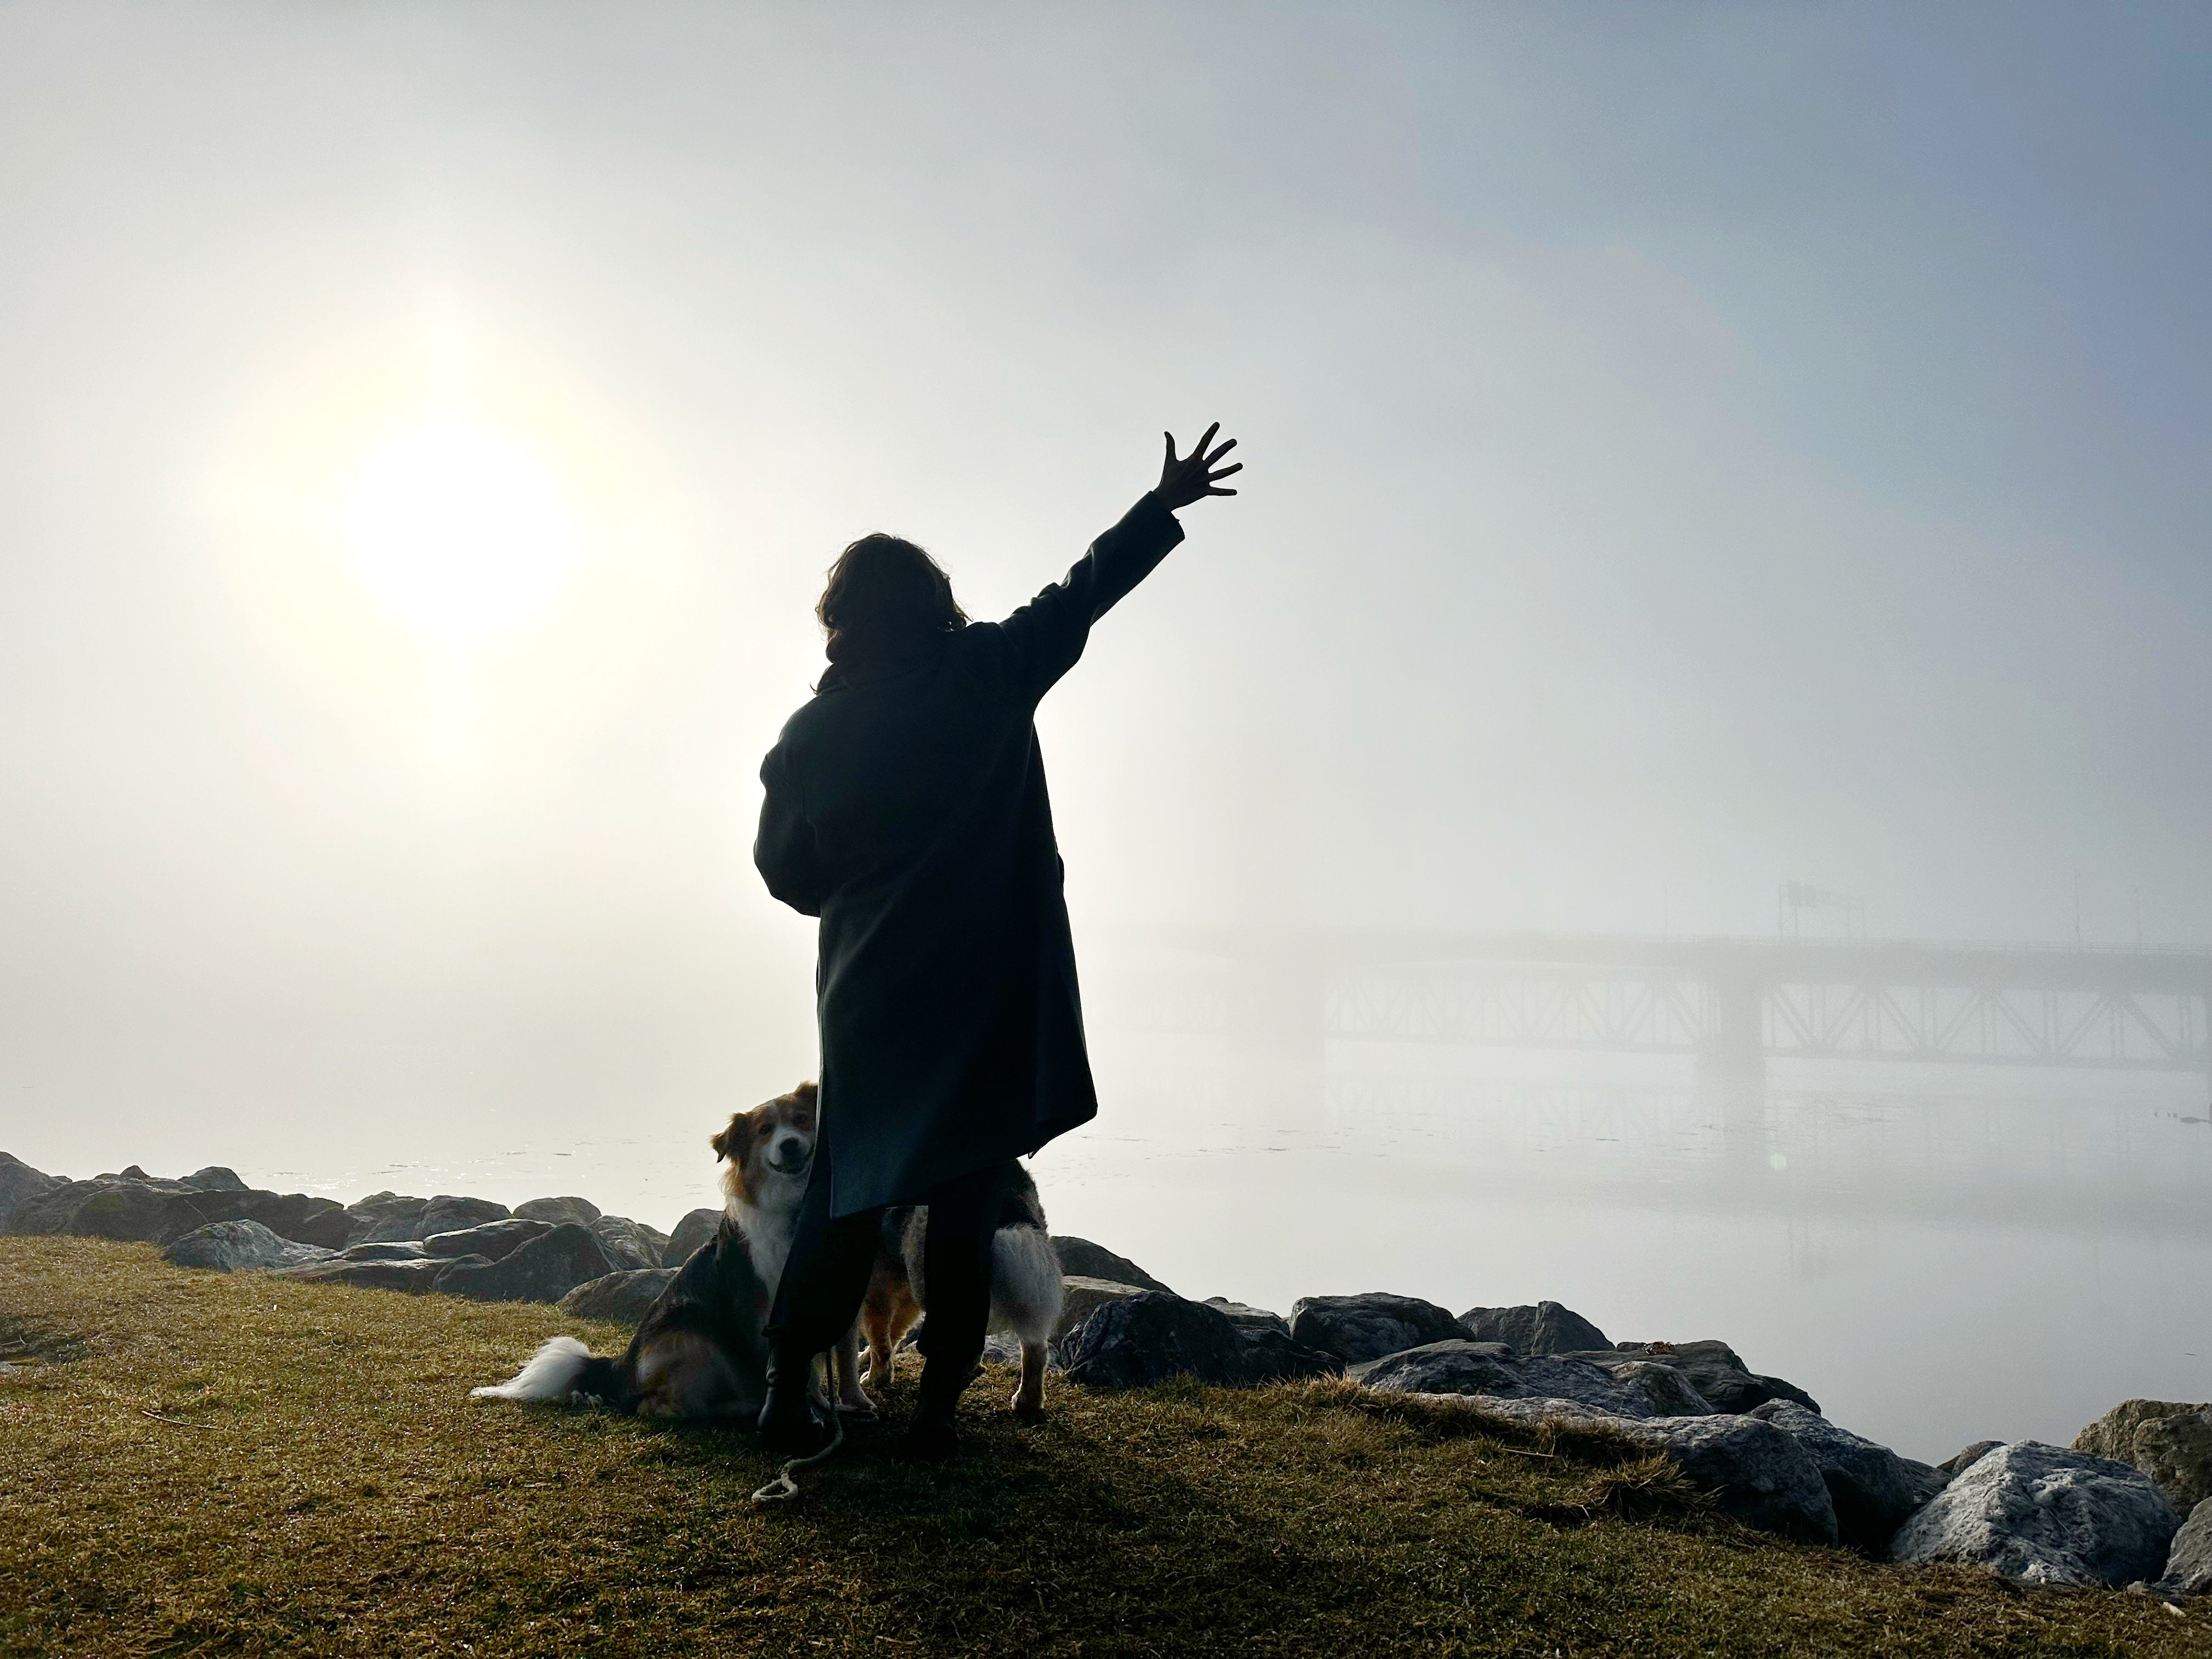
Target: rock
386 1219
397 1249
18 1184
1250 1319
2042 1516
1546 1327
1081 1296
1965 1458
543 1269
623 1297
1868 1483
494 1241
696 1229
1662 1390
216 1179
1084 1260
417 1275
448 1214
1925 1478
1756 1471
581 1211
1368 1326
2189 1564
1151 1336
1493 1370
295 1216
235 1246
1275 1356
630 1244
1724 1381
111 1208
2171 1443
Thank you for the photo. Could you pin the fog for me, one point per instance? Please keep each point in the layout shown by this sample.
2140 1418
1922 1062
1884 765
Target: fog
1687 450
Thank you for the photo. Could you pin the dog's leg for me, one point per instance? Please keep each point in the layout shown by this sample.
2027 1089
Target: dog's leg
1029 1399
852 1399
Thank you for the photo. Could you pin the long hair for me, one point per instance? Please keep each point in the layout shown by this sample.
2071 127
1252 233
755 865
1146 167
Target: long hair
885 598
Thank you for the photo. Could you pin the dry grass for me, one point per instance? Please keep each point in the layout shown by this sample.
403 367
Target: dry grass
195 1463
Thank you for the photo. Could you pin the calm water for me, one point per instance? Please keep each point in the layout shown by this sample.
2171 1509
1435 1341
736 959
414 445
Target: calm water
1938 1255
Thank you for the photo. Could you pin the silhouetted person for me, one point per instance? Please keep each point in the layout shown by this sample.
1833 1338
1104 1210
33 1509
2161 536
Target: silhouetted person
906 807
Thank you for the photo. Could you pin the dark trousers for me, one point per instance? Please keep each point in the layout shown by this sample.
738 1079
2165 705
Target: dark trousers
826 1275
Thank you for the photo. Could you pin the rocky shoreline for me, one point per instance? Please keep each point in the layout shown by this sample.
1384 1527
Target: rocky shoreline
2106 1512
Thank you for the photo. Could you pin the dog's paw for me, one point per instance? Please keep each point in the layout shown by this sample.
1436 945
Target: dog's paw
863 1408
1029 1410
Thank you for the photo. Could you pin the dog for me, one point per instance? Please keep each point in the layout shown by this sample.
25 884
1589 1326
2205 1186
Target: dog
1026 1285
702 1349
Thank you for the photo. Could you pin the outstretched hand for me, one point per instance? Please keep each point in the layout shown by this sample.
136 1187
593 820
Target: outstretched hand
1194 477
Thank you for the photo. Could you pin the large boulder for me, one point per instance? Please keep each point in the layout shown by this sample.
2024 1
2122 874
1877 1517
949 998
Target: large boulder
696 1229
581 1211
2170 1443
494 1240
235 1246
1662 1390
386 1218
1755 1471
446 1214
1968 1456
296 1216
624 1297
1151 1336
1080 1296
1869 1484
2043 1515
1716 1371
1370 1326
1541 1328
416 1275
1082 1259
630 1245
216 1178
395 1249
2189 1563
544 1269
1493 1370
1246 1318
112 1207
18 1184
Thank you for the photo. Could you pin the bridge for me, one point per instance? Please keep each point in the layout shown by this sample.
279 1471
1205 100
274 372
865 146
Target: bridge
1732 1003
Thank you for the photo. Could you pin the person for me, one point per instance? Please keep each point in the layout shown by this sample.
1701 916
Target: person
906 807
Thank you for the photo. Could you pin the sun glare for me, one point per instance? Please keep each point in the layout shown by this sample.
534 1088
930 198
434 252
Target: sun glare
458 530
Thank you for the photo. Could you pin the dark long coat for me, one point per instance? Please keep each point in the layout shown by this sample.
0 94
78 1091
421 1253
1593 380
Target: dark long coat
906 807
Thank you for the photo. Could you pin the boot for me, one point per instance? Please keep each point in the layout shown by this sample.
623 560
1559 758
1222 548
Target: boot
932 1433
789 1426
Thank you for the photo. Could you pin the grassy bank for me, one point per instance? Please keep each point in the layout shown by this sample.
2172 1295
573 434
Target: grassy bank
196 1463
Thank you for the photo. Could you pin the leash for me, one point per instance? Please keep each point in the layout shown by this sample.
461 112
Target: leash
783 1488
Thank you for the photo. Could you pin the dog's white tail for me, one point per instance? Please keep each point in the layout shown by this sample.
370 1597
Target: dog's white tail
1026 1287
552 1374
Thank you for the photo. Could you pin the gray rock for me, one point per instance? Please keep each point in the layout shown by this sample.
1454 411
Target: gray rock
1084 1260
2189 1563
235 1246
1080 1296
386 1218
397 1249
544 1269
494 1241
1662 1390
416 1276
630 1244
18 1184
625 1298
1248 1318
2171 1443
446 1214
111 1208
2043 1515
1543 1328
696 1229
1275 1356
1493 1370
1868 1483
1756 1472
1723 1380
1129 1341
216 1179
1967 1456
1370 1326
581 1211
295 1216
1925 1478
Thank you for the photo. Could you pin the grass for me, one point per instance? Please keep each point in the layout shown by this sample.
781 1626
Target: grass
196 1463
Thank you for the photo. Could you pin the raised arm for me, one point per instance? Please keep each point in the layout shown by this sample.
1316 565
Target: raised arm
1043 640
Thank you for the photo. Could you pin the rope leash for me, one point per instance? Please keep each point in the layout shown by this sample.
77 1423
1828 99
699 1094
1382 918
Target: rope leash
783 1488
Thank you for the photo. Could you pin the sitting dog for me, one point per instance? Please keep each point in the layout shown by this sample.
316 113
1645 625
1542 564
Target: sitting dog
700 1350
1026 1285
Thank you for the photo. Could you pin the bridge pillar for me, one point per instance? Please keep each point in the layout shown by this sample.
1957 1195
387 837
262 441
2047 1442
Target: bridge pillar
1278 1032
1734 1047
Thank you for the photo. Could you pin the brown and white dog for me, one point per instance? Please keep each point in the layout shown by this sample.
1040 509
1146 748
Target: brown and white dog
702 1350
1026 1285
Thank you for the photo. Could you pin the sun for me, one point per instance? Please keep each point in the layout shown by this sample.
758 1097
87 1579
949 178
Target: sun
458 530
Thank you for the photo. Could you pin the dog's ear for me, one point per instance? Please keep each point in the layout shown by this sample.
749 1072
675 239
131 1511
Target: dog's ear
734 1142
805 1091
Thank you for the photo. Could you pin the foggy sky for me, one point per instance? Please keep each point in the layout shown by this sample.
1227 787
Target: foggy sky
1688 448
